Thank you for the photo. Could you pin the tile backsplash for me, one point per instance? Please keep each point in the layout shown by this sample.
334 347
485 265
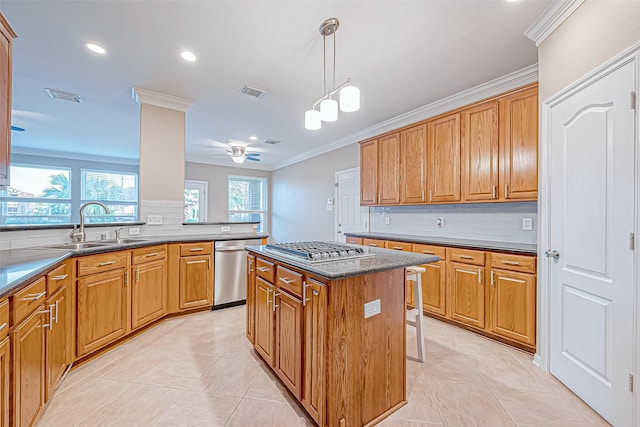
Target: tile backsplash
482 221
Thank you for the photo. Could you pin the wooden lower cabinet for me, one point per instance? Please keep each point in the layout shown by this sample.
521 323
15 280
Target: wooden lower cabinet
196 281
148 293
315 330
466 289
5 380
102 310
264 332
434 288
28 343
56 338
513 302
288 340
251 297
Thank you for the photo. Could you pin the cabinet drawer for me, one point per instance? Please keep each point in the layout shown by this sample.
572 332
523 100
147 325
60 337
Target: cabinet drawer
27 300
199 248
398 246
373 242
438 251
467 256
265 269
289 280
526 264
59 277
151 253
353 240
103 262
4 319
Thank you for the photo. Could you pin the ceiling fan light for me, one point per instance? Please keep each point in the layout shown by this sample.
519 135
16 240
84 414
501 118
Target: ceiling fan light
312 120
238 159
329 110
349 99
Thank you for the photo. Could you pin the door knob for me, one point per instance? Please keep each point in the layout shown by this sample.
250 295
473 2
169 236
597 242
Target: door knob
552 253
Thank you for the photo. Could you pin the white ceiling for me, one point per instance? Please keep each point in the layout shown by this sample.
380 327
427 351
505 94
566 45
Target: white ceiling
401 54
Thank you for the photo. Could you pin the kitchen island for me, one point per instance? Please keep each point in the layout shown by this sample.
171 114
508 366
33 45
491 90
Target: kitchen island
333 332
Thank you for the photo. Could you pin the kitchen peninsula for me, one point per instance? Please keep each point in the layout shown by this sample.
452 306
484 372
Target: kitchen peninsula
333 331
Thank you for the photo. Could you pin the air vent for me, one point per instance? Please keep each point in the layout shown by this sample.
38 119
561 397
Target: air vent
272 141
254 91
65 96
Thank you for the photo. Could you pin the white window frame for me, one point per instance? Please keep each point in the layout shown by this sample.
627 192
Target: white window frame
203 189
112 202
265 195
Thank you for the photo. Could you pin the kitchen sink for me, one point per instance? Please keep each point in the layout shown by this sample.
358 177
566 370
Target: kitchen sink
120 241
77 246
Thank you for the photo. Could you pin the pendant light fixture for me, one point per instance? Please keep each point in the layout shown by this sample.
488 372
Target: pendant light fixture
349 94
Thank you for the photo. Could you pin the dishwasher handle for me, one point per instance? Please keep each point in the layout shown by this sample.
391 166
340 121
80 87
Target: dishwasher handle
230 249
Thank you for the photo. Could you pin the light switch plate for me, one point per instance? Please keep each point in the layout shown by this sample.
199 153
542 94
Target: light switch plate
371 308
154 219
527 224
225 228
387 220
134 231
440 221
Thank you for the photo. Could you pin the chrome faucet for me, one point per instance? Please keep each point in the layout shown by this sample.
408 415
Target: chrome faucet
78 235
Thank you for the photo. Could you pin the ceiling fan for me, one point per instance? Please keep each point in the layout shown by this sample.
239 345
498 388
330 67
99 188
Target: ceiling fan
239 154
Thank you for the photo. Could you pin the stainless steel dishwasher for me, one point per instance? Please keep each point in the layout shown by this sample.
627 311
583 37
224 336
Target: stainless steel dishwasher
230 260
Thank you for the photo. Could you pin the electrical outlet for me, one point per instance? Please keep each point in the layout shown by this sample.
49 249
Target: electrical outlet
527 224
371 308
134 231
440 221
387 220
154 219
225 228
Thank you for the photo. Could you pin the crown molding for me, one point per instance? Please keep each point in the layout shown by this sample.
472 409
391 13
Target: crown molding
550 19
486 90
145 96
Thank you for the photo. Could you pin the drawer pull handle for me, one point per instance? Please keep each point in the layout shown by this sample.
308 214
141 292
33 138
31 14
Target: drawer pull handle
202 261
34 297
196 250
274 305
373 244
428 252
287 281
57 302
152 254
398 248
465 257
493 281
263 269
479 275
4 325
102 264
60 277
510 262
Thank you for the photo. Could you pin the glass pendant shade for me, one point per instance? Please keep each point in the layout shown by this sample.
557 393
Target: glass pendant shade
312 120
329 110
349 99
238 159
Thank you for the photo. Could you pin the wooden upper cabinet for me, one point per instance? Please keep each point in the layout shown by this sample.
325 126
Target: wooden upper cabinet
413 160
443 144
389 173
480 152
6 40
519 145
369 172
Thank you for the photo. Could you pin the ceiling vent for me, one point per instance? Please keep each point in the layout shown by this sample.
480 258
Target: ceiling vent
65 96
272 141
254 91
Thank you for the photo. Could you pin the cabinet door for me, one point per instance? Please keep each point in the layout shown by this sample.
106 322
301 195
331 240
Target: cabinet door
369 172
5 375
480 152
434 287
513 305
315 330
413 158
56 338
467 294
289 341
196 282
443 144
389 174
28 369
251 297
148 293
102 310
5 101
264 329
519 145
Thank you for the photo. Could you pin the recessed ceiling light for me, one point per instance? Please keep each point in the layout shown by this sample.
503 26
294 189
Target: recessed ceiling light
512 1
96 48
253 138
188 56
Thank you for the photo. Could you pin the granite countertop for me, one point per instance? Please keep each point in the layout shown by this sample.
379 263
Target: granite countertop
384 259
524 248
19 266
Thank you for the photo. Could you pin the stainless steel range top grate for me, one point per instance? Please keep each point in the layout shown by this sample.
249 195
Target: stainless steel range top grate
314 252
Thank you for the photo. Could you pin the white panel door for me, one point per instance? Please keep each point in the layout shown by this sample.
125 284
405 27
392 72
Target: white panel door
592 199
350 216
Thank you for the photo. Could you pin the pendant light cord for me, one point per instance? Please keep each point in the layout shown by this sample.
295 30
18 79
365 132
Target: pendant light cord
334 61
324 63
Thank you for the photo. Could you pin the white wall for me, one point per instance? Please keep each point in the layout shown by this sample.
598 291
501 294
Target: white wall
218 178
300 193
596 32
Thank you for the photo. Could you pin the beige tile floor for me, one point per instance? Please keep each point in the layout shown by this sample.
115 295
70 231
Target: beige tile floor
199 370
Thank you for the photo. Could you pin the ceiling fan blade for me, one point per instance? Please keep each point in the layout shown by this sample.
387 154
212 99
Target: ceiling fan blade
253 154
253 159
17 129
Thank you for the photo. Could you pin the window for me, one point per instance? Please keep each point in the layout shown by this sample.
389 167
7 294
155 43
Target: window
117 190
248 200
195 201
42 195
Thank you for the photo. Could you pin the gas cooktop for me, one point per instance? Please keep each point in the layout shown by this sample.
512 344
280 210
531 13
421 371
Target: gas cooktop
316 252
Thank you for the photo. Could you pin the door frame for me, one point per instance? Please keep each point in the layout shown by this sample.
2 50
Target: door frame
543 352
335 199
